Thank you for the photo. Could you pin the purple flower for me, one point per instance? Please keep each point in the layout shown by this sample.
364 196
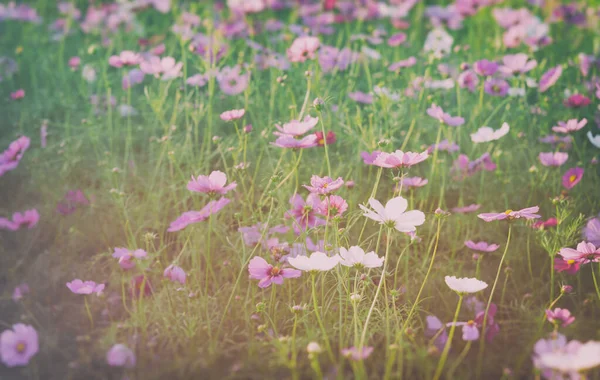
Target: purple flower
133 77
120 356
19 345
435 328
20 291
438 113
553 158
413 182
526 213
444 145
560 316
175 274
485 68
324 185
481 246
549 78
496 87
191 217
211 184
88 287
259 269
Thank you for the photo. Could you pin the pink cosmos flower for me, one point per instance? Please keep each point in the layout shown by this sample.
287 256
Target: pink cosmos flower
399 159
88 287
125 58
19 94
166 68
259 269
408 62
560 316
571 125
333 206
296 127
485 68
361 97
571 361
20 291
553 158
444 145
585 253
549 78
198 80
466 209
317 261
211 184
526 213
126 257
232 115
191 217
542 224
396 39
131 78
324 185
496 87
232 81
303 48
175 274
356 257
28 219
19 345
71 200
466 168
577 100
141 286
592 231
74 62
517 64
394 214
287 141
412 182
572 177
570 266
304 212
468 79
438 113
487 134
470 329
356 354
481 246
120 356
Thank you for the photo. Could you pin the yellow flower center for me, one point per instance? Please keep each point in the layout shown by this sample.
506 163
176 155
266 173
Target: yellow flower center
21 347
470 322
507 212
325 185
572 178
570 262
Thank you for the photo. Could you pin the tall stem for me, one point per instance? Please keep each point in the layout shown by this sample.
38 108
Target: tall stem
313 275
442 362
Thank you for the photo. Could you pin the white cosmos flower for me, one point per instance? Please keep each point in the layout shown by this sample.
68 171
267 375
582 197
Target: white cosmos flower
394 215
465 285
575 358
356 256
317 261
487 134
595 140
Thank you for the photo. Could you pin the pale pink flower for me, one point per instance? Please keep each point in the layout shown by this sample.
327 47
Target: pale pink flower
303 48
553 158
585 253
88 287
572 125
287 141
399 159
487 134
268 274
466 209
394 214
296 127
19 345
438 113
481 246
317 261
20 291
28 218
126 257
191 217
120 356
356 257
175 274
232 115
304 212
412 182
167 68
333 206
517 64
125 58
549 78
526 213
211 184
560 316
324 185
355 354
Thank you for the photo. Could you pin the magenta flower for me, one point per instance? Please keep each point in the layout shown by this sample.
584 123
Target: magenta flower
88 287
333 206
175 274
553 158
585 253
577 101
542 224
211 184
496 87
549 78
517 64
296 127
259 269
560 316
304 212
287 141
571 125
394 214
10 158
399 159
438 113
303 48
467 168
125 58
591 231
74 62
485 68
572 177
27 219
468 79
126 257
19 345
232 115
356 354
324 185
466 209
120 356
526 213
191 217
481 246
16 95
569 266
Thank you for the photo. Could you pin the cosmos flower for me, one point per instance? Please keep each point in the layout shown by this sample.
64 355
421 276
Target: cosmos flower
409 62
443 145
394 214
436 328
468 79
333 206
542 224
268 274
574 359
20 291
485 68
303 48
487 134
526 213
481 246
317 261
296 127
591 231
399 159
465 285
324 185
287 141
19 345
577 101
595 140
438 113
88 287
412 182
356 354
571 125
166 68
517 64
304 212
120 356
572 177
232 81
175 274
560 316
396 39
28 218
356 257
585 253
496 87
466 209
549 78
211 184
126 257
16 95
553 158
232 115
361 97
191 217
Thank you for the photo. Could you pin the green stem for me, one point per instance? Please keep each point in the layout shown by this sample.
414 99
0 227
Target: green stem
442 362
319 320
